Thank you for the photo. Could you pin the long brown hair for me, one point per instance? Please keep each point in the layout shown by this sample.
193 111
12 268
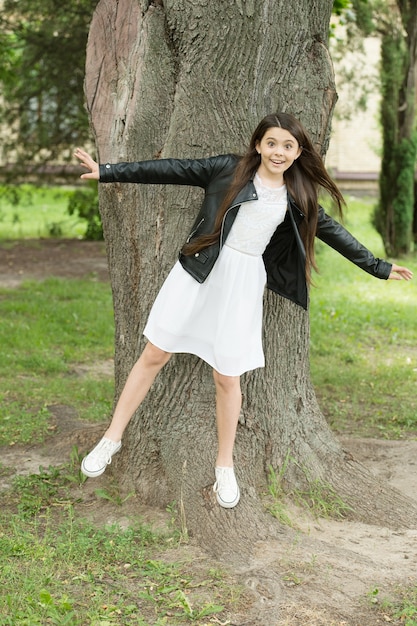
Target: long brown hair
303 180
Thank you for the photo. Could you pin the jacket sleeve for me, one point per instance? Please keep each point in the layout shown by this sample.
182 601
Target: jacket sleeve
193 172
336 236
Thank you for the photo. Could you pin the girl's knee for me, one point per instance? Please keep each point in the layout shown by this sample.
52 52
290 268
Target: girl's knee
155 356
226 383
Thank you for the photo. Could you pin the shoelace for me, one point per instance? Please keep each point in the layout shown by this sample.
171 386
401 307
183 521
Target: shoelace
225 479
104 453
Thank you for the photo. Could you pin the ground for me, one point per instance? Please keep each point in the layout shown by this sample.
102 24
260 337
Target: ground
39 258
323 572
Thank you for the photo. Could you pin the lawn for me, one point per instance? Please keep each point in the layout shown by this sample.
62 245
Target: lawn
32 212
47 330
58 567
363 340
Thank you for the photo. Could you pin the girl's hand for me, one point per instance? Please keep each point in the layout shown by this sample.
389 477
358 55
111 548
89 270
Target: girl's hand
400 273
88 162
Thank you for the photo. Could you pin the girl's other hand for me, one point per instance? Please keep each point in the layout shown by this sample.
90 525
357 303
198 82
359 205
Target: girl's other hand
400 273
88 162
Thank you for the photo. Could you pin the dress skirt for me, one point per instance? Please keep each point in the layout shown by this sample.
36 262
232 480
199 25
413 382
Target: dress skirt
219 320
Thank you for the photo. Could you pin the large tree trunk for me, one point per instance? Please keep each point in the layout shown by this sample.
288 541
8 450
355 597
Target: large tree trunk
185 78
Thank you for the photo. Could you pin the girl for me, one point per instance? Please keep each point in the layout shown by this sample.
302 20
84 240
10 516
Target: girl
256 227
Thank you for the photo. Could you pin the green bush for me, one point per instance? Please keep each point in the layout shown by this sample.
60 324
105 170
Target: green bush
84 203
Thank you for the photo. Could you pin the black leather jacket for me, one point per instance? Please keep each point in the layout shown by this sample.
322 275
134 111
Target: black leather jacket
284 256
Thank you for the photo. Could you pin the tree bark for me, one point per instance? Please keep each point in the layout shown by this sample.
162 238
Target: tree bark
191 78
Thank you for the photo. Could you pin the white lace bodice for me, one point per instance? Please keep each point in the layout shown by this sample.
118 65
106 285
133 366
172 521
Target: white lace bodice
257 220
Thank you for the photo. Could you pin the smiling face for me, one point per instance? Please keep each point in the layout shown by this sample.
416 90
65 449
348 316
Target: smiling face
278 150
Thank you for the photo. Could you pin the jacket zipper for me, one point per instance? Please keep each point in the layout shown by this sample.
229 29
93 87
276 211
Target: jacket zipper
193 232
224 218
223 221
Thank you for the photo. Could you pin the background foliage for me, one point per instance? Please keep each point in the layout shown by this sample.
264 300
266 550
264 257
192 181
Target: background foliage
42 66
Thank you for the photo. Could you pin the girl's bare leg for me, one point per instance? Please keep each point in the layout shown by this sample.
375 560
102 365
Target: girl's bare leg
136 387
228 405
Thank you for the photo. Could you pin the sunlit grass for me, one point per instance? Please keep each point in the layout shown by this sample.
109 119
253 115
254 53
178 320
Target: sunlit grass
60 568
47 329
35 212
363 346
364 340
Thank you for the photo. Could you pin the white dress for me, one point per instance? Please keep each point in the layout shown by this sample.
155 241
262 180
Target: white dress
220 320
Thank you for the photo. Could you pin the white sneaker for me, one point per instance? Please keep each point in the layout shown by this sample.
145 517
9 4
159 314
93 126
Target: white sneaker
226 487
95 463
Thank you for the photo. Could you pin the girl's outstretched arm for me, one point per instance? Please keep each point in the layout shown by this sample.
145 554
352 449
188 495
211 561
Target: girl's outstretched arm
400 273
88 162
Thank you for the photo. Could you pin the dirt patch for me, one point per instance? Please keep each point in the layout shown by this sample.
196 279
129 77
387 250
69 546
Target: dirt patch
336 566
323 573
38 259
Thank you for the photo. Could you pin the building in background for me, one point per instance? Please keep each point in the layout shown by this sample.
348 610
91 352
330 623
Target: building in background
353 158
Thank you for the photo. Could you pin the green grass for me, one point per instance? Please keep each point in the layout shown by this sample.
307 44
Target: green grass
402 608
58 567
27 211
363 340
47 329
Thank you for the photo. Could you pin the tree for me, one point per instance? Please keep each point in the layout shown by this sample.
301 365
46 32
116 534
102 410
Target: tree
395 211
42 61
192 78
395 22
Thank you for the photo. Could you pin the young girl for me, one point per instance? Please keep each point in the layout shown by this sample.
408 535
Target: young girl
256 227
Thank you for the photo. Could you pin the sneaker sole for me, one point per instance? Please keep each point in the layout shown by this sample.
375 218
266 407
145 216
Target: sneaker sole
97 473
228 505
89 474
